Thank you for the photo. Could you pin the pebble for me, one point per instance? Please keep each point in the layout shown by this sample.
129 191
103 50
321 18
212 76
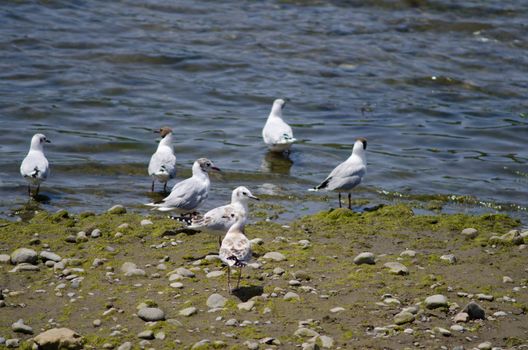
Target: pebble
25 267
20 327
409 253
469 232
365 258
95 233
486 297
24 255
189 311
177 285
125 346
215 274
175 277
145 222
151 314
457 328
247 306
275 256
443 331
450 258
326 341
475 311
97 323
148 334
461 317
500 314
294 283
292 296
12 343
5 259
403 317
408 331
278 271
507 279
305 332
397 268
256 241
160 335
231 322
485 345
216 301
182 271
130 269
81 237
301 275
251 345
47 255
435 301
337 309
202 344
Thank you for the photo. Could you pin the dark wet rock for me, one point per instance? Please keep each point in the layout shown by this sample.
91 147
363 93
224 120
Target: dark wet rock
59 338
475 311
151 314
365 258
24 255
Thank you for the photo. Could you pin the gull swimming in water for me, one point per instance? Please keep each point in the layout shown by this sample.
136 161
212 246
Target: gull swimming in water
220 219
276 133
235 250
189 194
348 174
35 167
162 165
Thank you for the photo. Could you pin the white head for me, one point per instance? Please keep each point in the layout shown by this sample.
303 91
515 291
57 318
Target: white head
278 105
38 141
204 165
238 225
360 147
242 194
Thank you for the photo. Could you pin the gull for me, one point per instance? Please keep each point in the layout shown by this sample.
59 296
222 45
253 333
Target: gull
348 174
35 167
162 165
220 219
235 249
190 193
276 133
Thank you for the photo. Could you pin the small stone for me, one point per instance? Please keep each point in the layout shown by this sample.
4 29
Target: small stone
278 271
365 258
151 314
397 268
275 256
5 259
486 297
216 301
20 327
457 328
305 333
409 253
507 279
145 222
175 277
292 296
160 335
12 343
148 334
337 309
247 306
461 317
231 322
251 345
81 237
326 341
189 311
500 314
125 346
95 233
24 255
117 209
485 345
408 331
301 275
177 285
215 274
256 241
469 232
403 318
46 255
435 301
475 311
202 344
182 271
97 323
450 258
443 331
21 267
59 338
294 283
130 269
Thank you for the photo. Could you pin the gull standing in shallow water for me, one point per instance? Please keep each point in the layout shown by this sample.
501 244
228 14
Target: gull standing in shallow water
276 133
220 219
35 167
162 165
348 174
189 194
235 249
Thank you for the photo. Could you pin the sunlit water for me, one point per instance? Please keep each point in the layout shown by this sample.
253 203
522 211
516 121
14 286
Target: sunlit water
439 89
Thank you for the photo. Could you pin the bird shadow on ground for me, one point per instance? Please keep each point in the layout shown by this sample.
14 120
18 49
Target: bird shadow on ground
246 293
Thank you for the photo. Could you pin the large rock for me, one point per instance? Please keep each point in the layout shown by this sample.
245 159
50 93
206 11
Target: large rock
24 255
365 258
435 301
151 314
59 339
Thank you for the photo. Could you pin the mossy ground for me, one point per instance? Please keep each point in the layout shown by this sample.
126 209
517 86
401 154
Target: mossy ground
336 237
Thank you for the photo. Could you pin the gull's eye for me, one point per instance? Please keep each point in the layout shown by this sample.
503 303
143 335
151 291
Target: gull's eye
232 215
208 164
244 193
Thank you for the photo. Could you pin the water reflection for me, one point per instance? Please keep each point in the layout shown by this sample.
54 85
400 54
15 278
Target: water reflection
277 163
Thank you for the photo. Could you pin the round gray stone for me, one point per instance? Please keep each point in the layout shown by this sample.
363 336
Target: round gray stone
435 301
365 258
24 255
216 300
151 314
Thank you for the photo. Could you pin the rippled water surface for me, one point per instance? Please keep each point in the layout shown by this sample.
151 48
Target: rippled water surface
439 88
